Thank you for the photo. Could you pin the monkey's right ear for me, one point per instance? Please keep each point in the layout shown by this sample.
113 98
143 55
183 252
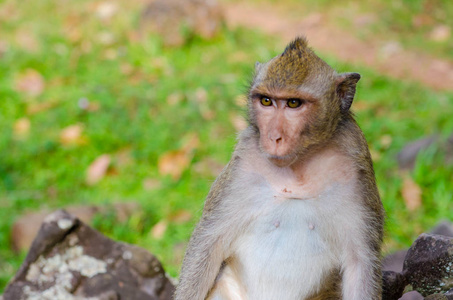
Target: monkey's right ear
346 85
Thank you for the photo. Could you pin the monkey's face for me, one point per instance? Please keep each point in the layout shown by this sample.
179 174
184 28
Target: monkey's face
296 101
282 119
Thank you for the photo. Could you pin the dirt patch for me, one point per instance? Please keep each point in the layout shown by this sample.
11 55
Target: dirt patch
385 57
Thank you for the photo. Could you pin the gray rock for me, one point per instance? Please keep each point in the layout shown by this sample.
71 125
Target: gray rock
69 260
446 296
413 295
393 284
26 227
428 266
407 156
443 228
394 262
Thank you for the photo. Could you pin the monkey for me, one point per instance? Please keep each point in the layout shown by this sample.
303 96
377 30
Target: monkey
296 213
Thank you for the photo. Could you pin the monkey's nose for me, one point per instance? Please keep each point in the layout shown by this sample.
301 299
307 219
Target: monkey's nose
275 138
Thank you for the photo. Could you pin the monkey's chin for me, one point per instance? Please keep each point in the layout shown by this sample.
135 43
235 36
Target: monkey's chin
282 160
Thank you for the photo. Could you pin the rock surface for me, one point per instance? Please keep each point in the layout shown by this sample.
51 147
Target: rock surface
26 227
393 284
393 263
428 266
408 155
69 260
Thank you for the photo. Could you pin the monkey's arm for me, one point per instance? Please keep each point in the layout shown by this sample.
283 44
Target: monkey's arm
362 277
207 247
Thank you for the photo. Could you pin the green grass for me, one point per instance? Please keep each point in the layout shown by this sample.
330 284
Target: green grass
131 80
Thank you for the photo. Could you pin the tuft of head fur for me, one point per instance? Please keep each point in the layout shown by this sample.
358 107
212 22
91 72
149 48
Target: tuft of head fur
297 64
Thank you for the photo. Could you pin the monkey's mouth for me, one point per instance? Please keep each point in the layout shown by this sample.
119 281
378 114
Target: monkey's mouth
281 160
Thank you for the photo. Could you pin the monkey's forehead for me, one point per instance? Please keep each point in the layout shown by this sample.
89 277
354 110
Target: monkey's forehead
295 68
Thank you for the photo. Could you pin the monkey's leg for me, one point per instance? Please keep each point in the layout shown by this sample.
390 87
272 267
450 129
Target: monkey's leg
228 286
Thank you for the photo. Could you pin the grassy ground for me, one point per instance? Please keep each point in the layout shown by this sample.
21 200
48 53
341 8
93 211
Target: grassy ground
146 101
422 25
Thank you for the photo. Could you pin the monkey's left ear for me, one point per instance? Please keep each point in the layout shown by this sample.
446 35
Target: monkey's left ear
346 83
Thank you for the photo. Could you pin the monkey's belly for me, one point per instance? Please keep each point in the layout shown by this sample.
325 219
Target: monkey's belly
287 253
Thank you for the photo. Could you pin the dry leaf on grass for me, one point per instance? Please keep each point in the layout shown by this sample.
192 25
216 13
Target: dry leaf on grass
174 163
123 157
386 141
97 170
151 184
175 98
106 10
34 108
27 41
159 229
440 33
21 128
208 167
181 216
71 135
241 100
201 95
412 193
30 82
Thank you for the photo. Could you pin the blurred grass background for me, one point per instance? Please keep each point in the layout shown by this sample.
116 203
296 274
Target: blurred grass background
75 86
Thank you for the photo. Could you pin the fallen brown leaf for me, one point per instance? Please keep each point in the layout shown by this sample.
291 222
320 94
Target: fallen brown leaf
208 167
440 33
151 184
97 170
361 106
181 216
175 98
375 155
71 135
21 128
26 40
123 157
201 96
241 100
207 113
106 10
191 142
412 193
159 229
386 140
34 108
30 82
174 162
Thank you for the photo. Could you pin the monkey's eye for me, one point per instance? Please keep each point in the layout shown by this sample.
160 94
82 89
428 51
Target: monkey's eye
294 103
266 101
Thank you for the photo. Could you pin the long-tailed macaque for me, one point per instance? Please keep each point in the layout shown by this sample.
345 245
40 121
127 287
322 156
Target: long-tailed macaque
296 213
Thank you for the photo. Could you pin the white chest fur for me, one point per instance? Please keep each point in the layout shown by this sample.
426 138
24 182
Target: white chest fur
296 235
299 225
289 248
